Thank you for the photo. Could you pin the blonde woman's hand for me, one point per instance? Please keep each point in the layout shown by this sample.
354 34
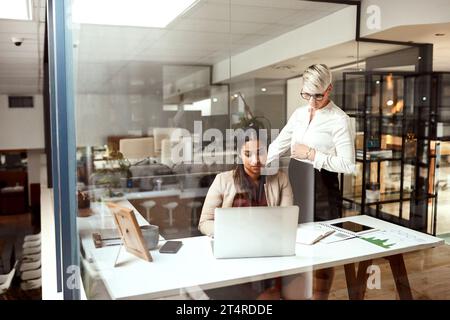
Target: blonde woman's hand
302 151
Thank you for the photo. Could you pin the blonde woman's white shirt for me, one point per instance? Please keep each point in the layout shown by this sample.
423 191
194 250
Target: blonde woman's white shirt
330 133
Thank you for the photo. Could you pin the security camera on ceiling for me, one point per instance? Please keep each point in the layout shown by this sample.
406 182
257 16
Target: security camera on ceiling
17 41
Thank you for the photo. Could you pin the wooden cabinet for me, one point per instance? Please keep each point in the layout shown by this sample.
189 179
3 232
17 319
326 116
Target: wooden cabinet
12 202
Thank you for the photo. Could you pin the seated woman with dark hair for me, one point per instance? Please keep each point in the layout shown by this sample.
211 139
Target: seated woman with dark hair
245 186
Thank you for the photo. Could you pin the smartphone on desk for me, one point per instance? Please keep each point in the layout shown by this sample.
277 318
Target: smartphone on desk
171 247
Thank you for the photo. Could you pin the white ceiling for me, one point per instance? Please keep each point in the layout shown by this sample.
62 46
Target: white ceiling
424 33
208 33
201 35
21 67
343 54
108 57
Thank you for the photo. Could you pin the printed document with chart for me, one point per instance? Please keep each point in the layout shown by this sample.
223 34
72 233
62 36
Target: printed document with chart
393 239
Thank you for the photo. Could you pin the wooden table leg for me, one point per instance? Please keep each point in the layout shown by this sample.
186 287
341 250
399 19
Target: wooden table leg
357 283
400 276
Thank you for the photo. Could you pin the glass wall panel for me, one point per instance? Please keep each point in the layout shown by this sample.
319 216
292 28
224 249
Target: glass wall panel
157 113
144 100
266 67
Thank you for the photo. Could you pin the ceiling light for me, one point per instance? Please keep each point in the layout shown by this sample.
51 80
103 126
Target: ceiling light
424 98
16 9
235 95
215 99
263 89
283 67
138 13
390 102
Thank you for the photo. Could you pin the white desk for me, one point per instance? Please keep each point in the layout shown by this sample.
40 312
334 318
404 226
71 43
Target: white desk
194 265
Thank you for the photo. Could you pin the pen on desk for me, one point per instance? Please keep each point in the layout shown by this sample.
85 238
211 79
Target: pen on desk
111 244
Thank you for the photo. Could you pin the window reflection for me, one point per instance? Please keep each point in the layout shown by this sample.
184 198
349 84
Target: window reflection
154 107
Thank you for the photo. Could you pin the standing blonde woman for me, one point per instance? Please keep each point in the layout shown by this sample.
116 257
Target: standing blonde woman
321 140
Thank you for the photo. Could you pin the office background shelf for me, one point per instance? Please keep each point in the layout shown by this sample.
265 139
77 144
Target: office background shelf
390 115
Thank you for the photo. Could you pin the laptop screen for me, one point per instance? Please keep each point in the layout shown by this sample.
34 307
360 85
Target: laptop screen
244 232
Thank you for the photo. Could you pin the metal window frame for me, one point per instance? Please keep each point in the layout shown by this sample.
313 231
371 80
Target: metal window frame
63 147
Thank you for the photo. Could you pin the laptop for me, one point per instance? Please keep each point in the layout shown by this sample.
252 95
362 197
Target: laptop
245 232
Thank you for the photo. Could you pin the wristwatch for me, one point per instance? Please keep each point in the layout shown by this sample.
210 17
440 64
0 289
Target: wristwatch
308 153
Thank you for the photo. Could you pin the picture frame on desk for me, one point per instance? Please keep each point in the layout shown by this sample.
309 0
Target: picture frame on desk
130 232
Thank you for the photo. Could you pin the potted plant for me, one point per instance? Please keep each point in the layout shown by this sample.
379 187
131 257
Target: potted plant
248 119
